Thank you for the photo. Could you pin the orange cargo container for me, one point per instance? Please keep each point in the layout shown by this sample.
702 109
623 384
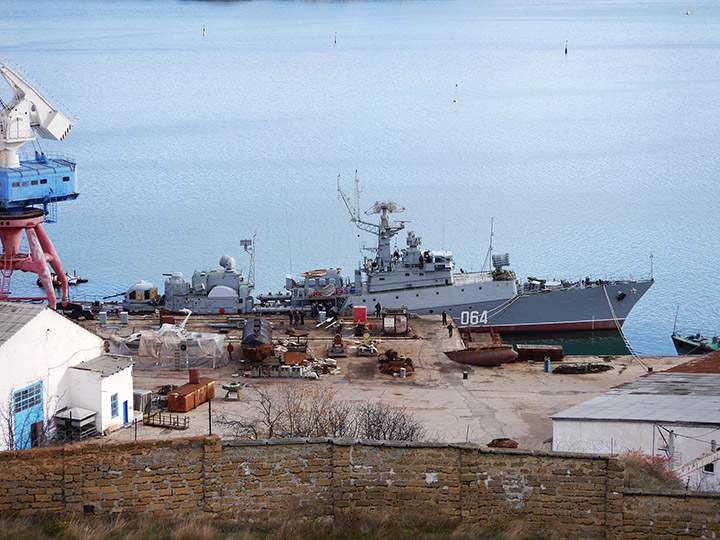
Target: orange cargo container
190 395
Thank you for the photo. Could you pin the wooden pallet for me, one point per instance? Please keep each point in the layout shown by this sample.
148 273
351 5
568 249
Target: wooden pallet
168 421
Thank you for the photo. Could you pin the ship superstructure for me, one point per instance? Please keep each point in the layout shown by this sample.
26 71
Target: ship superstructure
425 282
210 291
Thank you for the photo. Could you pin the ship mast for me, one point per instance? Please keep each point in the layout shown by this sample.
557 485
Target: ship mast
486 262
384 231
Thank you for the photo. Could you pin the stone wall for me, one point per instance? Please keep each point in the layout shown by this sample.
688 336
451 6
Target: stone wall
572 495
670 516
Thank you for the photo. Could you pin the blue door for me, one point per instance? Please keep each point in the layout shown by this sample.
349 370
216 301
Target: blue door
28 410
125 412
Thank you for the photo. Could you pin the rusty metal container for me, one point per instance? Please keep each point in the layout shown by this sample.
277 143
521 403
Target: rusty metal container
395 322
190 395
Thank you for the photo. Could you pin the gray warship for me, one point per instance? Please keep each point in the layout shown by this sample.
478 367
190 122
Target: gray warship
425 282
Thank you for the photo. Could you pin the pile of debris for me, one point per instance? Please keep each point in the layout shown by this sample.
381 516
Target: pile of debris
580 367
390 362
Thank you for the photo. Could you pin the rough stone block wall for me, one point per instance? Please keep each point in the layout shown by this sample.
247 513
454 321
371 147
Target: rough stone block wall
259 477
571 495
409 478
158 477
667 516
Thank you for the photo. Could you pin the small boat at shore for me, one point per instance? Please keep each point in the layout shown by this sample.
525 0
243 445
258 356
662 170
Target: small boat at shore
489 352
695 343
73 279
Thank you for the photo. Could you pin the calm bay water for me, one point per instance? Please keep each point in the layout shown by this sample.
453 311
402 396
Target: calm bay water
587 162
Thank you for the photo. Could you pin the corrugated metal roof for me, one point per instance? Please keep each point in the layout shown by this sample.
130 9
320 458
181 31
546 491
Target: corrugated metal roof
688 398
106 364
15 315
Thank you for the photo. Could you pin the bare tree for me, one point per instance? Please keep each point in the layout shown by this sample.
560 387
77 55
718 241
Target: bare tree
384 422
7 420
298 410
263 424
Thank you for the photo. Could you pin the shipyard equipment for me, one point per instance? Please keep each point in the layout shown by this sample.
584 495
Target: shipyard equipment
31 188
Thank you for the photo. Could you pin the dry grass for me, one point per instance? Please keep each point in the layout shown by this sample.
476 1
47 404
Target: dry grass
648 472
292 526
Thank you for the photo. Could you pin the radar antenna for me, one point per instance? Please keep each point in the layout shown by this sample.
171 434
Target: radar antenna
383 230
248 245
384 208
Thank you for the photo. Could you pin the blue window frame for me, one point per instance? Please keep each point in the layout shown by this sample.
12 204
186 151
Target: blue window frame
28 410
27 398
114 405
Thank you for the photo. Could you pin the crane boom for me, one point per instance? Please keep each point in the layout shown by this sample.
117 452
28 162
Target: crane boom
27 113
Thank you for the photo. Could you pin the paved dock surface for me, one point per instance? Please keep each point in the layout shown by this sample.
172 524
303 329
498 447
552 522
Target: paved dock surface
513 400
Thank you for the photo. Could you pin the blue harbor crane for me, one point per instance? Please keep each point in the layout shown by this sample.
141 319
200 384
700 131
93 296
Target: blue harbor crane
30 188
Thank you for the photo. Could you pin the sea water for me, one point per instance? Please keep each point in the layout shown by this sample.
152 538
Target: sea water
462 111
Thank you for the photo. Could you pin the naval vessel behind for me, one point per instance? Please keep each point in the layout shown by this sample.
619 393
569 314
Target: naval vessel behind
425 282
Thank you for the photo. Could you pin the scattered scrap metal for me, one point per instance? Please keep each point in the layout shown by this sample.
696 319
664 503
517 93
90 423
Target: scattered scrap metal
390 362
503 442
582 367
337 347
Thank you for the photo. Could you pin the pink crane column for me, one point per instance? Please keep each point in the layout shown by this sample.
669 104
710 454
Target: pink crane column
41 253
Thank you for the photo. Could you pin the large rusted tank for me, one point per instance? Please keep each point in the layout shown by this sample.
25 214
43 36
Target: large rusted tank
256 343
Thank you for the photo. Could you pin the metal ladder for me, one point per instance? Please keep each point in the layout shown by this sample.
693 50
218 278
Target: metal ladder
5 275
51 210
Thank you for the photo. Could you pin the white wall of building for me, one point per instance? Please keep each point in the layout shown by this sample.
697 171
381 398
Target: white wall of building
619 437
89 390
42 351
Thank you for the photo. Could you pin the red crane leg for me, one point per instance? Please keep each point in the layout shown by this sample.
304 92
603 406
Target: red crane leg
52 257
38 264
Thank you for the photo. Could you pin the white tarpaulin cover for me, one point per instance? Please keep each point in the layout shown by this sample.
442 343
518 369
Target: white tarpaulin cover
172 347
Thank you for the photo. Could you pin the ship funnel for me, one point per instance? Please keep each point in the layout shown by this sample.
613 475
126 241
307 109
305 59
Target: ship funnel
500 260
227 262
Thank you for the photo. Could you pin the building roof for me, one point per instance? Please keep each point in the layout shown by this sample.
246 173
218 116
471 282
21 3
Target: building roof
105 364
687 398
706 363
15 315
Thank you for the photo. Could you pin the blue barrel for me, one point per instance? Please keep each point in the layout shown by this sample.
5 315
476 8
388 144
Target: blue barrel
547 364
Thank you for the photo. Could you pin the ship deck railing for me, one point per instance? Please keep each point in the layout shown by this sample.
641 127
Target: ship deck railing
470 278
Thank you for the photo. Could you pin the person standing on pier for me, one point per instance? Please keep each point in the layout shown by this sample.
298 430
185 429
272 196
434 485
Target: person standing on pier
378 310
444 319
450 329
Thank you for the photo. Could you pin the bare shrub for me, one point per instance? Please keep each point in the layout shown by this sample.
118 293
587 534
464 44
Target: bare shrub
384 422
300 411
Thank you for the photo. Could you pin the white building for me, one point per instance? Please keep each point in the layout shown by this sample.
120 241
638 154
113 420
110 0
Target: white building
49 364
671 414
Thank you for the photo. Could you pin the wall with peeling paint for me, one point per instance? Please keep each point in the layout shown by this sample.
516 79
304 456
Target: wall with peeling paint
571 495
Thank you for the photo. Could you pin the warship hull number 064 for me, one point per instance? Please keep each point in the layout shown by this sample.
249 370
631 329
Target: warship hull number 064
425 282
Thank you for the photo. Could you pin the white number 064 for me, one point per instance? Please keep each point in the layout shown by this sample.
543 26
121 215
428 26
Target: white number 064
473 318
